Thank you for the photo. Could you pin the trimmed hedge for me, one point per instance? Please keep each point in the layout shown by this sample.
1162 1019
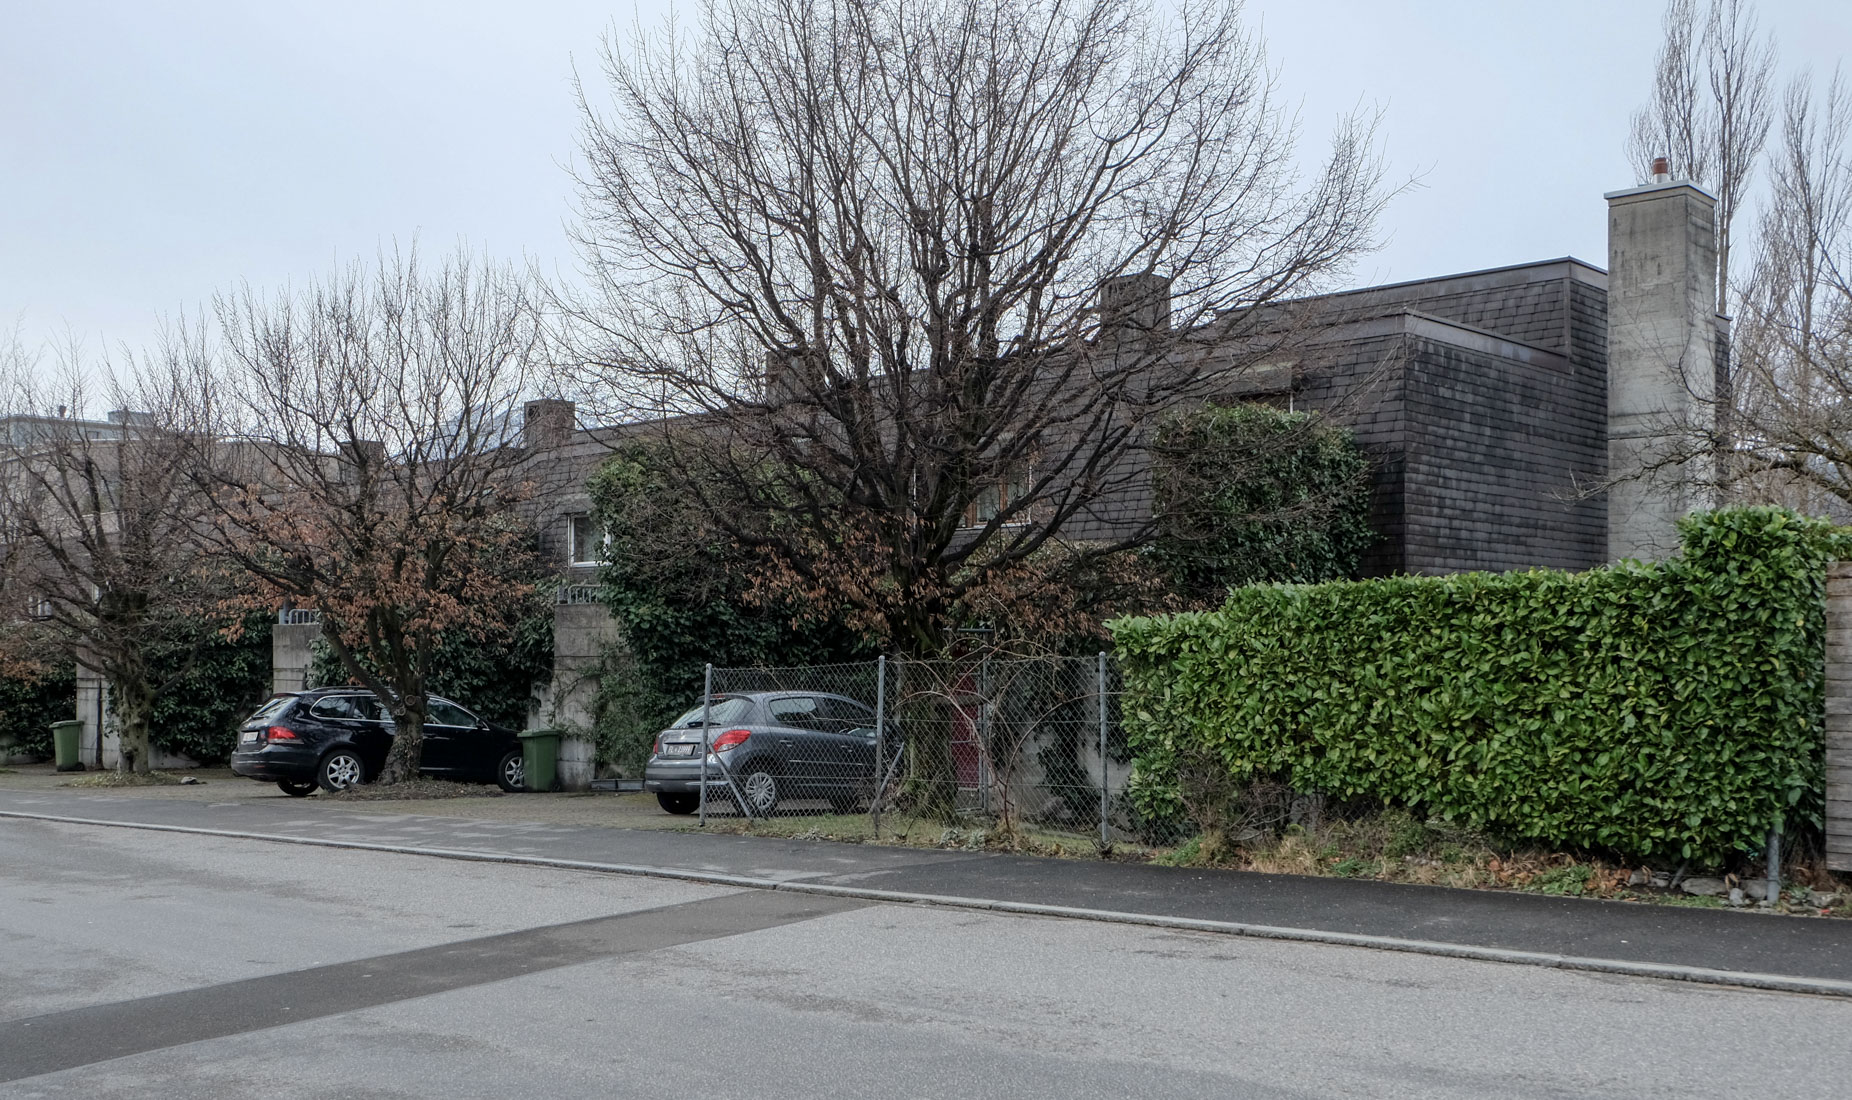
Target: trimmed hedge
1247 494
199 714
1673 708
28 707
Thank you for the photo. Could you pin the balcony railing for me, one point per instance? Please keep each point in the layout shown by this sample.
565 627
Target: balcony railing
577 593
298 616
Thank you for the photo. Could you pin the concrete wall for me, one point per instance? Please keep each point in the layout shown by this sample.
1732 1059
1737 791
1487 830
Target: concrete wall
1662 347
290 653
1839 715
581 634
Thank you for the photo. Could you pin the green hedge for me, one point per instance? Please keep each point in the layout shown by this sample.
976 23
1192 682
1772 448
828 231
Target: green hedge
198 715
28 707
1672 708
1247 493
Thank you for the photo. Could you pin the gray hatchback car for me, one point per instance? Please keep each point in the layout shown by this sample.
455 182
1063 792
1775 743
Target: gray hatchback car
768 747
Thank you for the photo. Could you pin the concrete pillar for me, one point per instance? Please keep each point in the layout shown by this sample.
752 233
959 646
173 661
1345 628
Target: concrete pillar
1662 363
581 634
93 711
92 706
1839 715
291 650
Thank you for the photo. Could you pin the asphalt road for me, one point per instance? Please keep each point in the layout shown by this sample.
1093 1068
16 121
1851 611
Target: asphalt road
1507 920
143 964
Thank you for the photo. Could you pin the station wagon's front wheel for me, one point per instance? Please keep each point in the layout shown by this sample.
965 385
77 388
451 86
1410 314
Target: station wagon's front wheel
511 773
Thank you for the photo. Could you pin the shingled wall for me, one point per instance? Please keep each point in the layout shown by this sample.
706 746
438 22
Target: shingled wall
1839 715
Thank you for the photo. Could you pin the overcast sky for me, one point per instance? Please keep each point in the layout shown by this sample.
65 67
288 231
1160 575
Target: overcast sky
152 153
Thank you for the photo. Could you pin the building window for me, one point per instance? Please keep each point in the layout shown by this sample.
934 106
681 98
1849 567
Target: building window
999 497
585 543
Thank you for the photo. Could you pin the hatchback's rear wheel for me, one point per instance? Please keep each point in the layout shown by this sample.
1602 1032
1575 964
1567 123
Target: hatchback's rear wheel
759 787
511 773
341 770
297 788
679 803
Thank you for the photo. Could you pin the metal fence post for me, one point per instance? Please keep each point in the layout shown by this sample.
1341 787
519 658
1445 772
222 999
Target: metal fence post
984 719
1105 771
1773 892
707 714
874 806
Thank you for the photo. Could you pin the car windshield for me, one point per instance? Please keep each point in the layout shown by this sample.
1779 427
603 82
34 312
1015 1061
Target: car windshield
727 710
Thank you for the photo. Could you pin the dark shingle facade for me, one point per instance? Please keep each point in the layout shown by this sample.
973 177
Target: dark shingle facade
1482 401
1480 398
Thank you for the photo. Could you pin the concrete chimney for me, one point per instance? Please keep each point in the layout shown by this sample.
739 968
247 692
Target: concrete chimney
1662 363
1134 304
547 423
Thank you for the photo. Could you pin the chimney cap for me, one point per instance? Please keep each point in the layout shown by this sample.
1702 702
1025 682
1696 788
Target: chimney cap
1662 169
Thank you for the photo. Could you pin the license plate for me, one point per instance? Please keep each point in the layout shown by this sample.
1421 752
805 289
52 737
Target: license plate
247 737
680 750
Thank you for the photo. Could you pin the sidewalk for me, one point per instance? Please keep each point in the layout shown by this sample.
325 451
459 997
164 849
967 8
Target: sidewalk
1746 943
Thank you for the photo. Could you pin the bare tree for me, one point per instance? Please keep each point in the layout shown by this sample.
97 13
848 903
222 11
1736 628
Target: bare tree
1794 340
1710 109
98 525
925 273
376 477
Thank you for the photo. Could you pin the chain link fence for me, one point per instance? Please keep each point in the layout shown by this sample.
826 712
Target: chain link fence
960 750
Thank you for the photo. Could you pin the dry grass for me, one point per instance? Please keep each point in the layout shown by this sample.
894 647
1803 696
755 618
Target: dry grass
414 789
1393 846
123 779
900 830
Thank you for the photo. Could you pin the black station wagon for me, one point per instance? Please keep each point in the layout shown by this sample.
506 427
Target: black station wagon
334 738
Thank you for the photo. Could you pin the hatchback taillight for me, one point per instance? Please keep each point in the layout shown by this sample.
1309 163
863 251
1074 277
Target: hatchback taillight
280 733
729 739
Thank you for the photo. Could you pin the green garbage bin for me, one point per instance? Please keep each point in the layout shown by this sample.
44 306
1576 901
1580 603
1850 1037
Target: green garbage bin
64 738
539 759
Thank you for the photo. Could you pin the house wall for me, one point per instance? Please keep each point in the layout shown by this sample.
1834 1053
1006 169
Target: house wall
1497 454
1483 442
1839 715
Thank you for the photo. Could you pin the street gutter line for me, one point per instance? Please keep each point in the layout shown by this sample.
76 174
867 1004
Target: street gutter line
1781 983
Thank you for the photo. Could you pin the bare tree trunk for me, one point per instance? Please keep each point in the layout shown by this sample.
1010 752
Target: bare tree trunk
132 702
407 744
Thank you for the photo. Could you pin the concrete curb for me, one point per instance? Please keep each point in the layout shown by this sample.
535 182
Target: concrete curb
1781 983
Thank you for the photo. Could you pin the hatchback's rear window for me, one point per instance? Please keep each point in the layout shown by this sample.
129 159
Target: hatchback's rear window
272 708
728 709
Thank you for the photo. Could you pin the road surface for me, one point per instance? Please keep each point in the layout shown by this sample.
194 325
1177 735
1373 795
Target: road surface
143 964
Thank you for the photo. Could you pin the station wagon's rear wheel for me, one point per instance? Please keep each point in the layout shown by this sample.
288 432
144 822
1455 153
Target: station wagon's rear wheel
341 770
511 773
297 788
